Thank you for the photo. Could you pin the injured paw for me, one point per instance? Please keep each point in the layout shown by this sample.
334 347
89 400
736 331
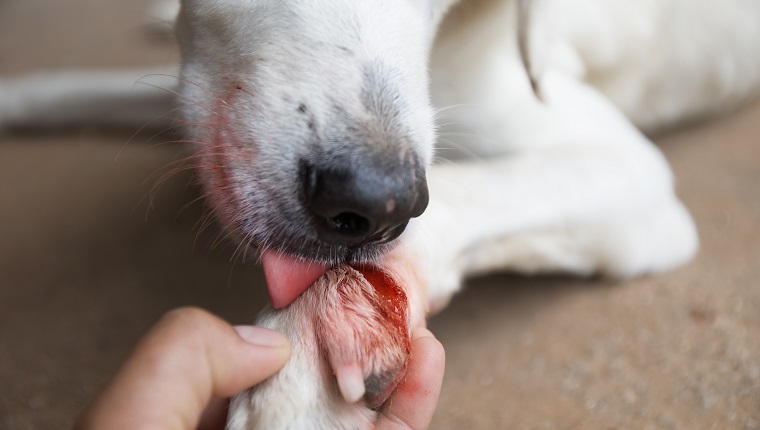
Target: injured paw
363 329
351 344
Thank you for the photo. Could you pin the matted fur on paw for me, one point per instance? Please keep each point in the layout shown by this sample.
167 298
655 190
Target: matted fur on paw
351 344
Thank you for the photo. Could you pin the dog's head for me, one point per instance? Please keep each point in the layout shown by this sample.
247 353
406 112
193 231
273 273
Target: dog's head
313 124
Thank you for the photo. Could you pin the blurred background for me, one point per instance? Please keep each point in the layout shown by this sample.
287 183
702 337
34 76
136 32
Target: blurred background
87 265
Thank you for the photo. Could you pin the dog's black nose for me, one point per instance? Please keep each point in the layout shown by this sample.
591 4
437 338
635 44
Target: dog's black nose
360 202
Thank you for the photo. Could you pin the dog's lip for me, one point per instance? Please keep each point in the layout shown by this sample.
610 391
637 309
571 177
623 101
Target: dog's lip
288 276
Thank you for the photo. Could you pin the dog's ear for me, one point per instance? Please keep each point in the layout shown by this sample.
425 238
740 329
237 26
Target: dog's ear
525 40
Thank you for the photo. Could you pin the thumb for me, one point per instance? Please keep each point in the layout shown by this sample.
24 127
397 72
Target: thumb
189 357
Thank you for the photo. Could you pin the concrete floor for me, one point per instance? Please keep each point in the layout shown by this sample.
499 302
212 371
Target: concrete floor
86 267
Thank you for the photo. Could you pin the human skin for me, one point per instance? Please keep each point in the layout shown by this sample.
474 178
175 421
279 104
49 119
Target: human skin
181 373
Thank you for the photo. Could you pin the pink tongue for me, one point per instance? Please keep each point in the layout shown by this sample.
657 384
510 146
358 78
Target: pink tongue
288 277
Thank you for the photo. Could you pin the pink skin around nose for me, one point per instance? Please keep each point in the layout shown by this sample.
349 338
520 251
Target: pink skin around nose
288 277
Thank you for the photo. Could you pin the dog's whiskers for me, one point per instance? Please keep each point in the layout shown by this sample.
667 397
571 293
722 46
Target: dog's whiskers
248 246
187 205
164 131
195 84
206 221
454 106
243 245
143 127
175 93
225 234
455 146
169 171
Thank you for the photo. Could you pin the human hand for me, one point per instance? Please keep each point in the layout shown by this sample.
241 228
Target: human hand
178 372
183 369
412 404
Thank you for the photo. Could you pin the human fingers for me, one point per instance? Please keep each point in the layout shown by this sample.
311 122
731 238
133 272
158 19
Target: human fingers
189 357
412 404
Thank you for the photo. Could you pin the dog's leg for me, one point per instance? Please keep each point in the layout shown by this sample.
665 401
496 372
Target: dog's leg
351 344
128 99
582 192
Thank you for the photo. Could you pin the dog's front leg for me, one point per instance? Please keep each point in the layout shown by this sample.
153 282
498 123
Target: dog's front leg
351 337
584 193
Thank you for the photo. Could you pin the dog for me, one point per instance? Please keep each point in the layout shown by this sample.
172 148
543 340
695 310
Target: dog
318 125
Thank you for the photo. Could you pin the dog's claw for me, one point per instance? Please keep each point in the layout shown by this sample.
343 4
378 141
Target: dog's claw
350 381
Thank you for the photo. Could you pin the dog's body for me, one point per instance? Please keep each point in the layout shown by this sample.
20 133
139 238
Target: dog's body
276 94
564 184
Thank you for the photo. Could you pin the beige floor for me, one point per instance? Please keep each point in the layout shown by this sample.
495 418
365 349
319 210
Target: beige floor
86 267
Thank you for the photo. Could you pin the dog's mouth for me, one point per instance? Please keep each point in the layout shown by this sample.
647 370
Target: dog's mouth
288 276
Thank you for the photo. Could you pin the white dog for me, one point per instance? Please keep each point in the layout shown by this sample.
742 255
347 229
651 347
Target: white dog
315 121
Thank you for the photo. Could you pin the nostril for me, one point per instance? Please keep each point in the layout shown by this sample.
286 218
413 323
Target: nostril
350 224
358 203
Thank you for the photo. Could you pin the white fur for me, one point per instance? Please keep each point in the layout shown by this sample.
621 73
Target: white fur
334 323
565 184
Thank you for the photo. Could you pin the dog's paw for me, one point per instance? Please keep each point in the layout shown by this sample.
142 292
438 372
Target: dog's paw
351 344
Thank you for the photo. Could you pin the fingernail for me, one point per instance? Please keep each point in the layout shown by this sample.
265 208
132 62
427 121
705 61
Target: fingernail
259 336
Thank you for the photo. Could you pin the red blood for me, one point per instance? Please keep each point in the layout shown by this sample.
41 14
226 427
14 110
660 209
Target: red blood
392 305
392 301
